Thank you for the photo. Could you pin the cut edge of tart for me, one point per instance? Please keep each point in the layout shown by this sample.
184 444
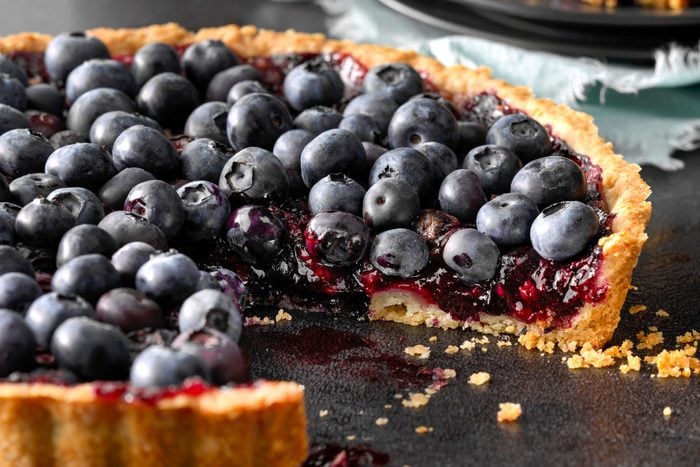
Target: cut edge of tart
38 418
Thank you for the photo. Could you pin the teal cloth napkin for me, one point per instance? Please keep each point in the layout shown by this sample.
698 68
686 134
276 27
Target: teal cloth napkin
647 113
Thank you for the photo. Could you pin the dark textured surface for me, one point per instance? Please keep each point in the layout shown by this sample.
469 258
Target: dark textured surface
353 368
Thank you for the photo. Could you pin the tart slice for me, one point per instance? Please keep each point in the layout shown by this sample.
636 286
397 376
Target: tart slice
276 169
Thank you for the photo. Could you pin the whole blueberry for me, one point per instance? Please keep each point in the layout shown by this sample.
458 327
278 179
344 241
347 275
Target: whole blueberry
362 126
202 60
99 73
213 309
18 291
12 260
372 152
115 190
146 148
507 218
495 166
409 165
11 119
153 59
257 120
336 192
129 258
203 159
243 88
159 203
66 51
12 92
22 152
549 180
168 98
224 80
336 238
126 227
471 135
524 136
287 149
230 283
83 240
461 195
220 355
255 233
159 367
254 174
105 130
168 278
208 121
314 82
379 106
441 100
318 119
471 254
399 252
333 151
398 80
28 187
564 230
9 67
88 276
47 312
206 210
43 223
17 345
129 310
442 158
85 110
93 350
81 164
66 137
390 203
420 121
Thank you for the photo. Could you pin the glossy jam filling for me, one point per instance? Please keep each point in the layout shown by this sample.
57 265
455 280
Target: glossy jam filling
526 286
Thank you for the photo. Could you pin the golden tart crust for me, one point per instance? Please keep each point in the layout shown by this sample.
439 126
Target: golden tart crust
43 424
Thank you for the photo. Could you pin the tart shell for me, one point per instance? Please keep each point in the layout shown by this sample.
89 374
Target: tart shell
45 425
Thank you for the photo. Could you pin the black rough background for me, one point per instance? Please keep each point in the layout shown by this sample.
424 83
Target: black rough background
353 368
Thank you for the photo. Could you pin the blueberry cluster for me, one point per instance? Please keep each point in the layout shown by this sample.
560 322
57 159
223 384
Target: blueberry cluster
108 196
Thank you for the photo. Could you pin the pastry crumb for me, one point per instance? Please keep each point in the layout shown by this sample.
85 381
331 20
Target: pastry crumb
432 339
351 437
479 378
634 309
504 343
649 341
381 421
532 340
508 412
418 351
662 313
421 430
398 396
416 400
676 363
282 316
323 413
688 337
467 345
448 373
387 406
258 321
668 411
633 364
451 349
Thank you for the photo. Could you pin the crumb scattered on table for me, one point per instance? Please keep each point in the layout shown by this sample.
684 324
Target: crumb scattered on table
479 378
668 411
508 412
649 341
634 309
421 430
282 316
416 400
418 351
381 421
662 313
451 349
323 413
432 339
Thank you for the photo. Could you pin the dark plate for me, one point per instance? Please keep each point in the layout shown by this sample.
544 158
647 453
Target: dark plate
572 11
577 40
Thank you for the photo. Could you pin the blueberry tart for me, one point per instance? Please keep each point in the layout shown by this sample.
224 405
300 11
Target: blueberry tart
157 185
